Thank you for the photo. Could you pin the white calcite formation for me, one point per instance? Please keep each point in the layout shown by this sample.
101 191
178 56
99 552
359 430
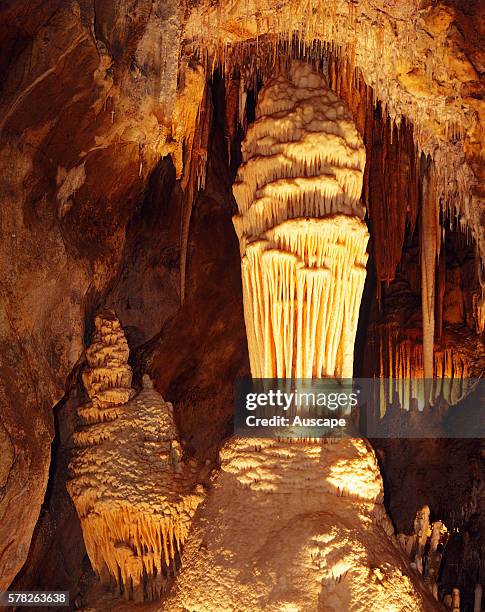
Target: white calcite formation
107 379
134 493
301 231
291 525
296 527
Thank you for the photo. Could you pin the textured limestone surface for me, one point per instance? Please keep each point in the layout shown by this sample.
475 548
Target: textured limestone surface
132 489
302 237
296 527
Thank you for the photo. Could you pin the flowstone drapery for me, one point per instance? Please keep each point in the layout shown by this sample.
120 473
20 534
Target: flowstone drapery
301 231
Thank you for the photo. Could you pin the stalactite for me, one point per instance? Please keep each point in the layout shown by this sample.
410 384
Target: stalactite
479 311
132 490
429 248
232 103
458 362
441 278
303 241
391 190
393 194
194 174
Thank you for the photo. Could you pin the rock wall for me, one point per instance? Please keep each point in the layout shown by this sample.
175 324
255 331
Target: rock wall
85 109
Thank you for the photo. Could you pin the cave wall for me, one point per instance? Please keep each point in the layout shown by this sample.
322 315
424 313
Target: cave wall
200 351
78 132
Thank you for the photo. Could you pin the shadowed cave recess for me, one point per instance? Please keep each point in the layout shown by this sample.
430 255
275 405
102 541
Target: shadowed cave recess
124 128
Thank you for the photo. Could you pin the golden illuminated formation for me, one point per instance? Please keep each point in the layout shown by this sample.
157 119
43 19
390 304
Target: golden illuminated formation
301 231
457 365
132 490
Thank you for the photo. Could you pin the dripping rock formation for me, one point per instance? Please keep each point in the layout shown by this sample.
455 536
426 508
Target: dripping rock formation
303 241
280 541
120 137
134 493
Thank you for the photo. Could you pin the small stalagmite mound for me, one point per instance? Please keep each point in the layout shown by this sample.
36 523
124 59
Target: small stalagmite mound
425 547
301 231
132 489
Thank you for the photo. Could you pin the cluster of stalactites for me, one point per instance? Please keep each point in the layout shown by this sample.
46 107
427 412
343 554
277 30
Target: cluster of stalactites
401 369
134 550
302 238
107 379
302 288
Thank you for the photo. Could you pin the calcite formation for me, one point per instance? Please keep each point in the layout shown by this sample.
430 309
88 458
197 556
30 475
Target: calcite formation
424 343
296 527
134 493
425 547
107 379
301 231
89 91
458 361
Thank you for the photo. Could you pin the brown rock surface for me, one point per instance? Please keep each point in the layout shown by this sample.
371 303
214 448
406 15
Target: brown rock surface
79 130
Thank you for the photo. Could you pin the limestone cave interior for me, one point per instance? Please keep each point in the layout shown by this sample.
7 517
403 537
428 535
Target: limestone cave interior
198 191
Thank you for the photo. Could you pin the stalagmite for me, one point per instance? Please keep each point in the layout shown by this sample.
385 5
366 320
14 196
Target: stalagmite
132 490
296 527
455 600
477 607
425 547
301 231
107 379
